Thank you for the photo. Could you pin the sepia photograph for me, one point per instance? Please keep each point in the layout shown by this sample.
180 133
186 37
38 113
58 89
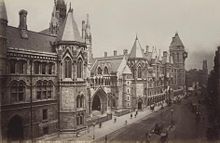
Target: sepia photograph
109 71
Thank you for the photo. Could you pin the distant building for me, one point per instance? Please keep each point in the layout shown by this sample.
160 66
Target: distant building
51 83
196 77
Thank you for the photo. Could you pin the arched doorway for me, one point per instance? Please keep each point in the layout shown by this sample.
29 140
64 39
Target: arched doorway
140 102
96 104
15 129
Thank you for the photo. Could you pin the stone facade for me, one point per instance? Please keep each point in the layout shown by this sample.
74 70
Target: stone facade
51 83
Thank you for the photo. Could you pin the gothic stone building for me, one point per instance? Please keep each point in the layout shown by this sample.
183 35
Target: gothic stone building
50 82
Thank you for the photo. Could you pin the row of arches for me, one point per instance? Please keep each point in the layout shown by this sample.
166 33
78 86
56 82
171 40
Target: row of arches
100 71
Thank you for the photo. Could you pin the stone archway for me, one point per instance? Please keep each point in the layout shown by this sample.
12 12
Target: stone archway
96 104
15 129
99 101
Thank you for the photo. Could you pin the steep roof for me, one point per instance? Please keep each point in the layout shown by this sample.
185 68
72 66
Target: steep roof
176 41
69 30
136 51
114 61
123 67
3 12
35 41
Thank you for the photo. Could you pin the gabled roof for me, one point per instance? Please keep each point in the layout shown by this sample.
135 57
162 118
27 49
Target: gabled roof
136 51
3 12
35 41
123 67
114 61
176 41
69 30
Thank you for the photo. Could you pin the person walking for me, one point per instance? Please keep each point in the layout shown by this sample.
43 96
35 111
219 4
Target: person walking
131 115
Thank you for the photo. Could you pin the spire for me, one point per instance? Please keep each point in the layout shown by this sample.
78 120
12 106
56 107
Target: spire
136 51
176 41
3 12
69 30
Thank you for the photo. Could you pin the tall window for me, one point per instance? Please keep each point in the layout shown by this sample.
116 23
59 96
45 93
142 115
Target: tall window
139 72
39 89
37 67
44 92
79 68
50 68
17 92
43 68
21 67
105 70
79 119
68 67
99 70
45 114
50 89
12 66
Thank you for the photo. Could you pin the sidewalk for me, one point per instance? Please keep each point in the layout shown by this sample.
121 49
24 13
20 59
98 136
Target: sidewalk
107 127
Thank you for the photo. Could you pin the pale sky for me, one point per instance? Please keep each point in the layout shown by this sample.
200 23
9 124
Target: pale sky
115 23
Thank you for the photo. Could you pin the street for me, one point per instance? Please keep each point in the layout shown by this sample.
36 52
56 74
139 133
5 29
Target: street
186 128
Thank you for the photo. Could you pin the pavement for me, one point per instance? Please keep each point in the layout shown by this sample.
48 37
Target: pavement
108 127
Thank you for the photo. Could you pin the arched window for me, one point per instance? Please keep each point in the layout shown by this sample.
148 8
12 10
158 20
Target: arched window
17 90
50 68
79 119
80 68
68 67
44 91
99 70
79 101
139 72
105 70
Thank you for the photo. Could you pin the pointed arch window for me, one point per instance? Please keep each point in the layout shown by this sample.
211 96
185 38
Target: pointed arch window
80 101
99 70
17 90
139 72
12 66
68 67
105 70
80 68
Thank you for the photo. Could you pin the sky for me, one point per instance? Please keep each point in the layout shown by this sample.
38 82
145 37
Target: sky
115 23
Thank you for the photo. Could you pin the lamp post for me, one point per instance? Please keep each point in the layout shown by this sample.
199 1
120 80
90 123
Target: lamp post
93 136
171 118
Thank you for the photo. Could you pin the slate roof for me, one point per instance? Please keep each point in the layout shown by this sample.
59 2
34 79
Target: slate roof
69 30
136 51
3 12
36 41
114 61
176 41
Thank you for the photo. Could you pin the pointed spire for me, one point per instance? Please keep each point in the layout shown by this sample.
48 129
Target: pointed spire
3 12
136 51
176 41
69 30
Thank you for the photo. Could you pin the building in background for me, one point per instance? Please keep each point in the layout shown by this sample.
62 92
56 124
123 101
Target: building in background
51 83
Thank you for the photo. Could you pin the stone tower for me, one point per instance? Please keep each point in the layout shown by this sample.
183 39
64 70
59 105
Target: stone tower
137 64
3 50
177 51
72 67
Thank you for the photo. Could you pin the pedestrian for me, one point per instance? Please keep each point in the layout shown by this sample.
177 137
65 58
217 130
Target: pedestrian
147 135
115 120
100 124
106 139
131 115
135 115
126 122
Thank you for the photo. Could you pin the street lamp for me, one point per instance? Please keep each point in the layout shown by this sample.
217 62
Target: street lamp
171 120
93 136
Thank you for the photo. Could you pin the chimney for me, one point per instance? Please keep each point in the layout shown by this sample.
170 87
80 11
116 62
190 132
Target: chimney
115 53
125 51
147 49
105 54
23 23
